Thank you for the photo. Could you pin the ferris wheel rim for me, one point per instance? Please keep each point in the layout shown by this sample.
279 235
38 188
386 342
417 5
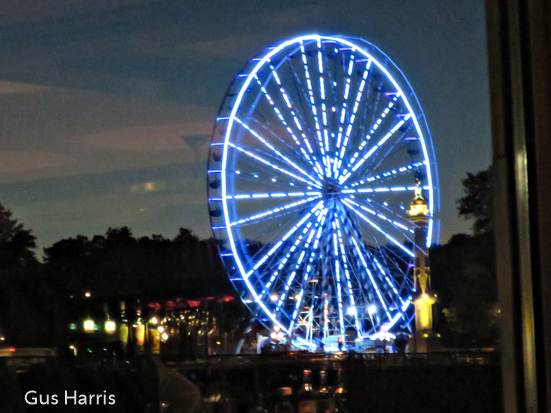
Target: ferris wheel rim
233 119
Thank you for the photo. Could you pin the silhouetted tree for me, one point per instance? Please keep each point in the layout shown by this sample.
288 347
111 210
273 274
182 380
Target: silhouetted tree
16 243
464 271
477 204
29 307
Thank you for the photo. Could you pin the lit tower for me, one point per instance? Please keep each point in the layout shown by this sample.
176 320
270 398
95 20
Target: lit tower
419 215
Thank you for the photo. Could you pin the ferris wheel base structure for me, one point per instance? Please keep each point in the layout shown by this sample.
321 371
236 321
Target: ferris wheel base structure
318 148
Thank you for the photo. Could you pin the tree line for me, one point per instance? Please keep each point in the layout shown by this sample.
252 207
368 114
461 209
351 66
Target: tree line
37 298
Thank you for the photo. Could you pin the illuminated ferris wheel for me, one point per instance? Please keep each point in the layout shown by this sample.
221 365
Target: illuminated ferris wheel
318 149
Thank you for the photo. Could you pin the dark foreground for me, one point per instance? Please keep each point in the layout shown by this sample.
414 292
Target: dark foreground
452 382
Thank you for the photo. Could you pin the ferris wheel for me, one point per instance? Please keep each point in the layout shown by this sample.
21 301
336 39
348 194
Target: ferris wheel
319 146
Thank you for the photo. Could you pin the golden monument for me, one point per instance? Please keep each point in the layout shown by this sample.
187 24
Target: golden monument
419 215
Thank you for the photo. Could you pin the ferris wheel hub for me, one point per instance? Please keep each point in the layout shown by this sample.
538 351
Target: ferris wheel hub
331 188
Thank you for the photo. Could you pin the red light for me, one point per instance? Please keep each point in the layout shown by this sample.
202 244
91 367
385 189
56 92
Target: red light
12 350
340 340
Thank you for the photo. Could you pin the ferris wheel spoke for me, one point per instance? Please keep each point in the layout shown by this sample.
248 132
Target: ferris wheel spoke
337 267
265 162
388 255
389 174
310 265
352 116
356 239
281 264
396 299
312 102
384 276
265 195
324 95
374 127
346 271
373 276
347 174
279 243
278 153
281 209
377 214
369 274
381 189
397 219
389 281
303 97
394 149
286 289
379 284
307 254
287 125
302 237
350 204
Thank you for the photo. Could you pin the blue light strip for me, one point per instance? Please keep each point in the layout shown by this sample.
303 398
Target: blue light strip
258 158
381 189
323 110
311 96
266 143
283 262
347 275
339 295
396 317
383 217
283 121
373 283
368 136
282 265
349 203
372 150
280 243
319 224
392 173
273 211
320 57
351 64
388 280
353 116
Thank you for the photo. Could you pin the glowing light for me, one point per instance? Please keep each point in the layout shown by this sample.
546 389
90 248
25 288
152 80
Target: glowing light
110 327
89 326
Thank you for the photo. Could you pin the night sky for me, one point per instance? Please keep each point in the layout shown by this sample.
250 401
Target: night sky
106 107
